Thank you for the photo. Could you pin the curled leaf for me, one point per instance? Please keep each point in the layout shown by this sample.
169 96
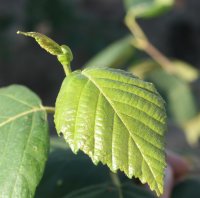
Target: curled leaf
45 42
62 52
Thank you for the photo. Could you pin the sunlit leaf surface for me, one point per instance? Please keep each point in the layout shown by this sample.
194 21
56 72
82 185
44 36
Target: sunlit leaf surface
116 119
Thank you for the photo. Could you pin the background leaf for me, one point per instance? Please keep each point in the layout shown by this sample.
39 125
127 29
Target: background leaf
24 142
148 8
186 71
117 119
181 69
66 172
67 175
192 130
115 55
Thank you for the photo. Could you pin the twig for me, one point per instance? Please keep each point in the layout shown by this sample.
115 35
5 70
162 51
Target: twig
141 42
49 109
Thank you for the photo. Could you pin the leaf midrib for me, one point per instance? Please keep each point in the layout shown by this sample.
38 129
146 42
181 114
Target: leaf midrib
19 116
15 117
112 105
22 159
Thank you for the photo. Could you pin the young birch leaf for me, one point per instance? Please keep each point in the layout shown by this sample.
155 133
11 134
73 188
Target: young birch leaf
24 142
116 119
45 42
63 52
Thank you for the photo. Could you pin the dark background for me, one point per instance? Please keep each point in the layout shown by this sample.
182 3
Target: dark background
87 26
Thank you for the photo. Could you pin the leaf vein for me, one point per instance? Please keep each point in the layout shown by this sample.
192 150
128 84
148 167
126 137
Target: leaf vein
139 109
134 94
20 101
145 125
112 105
19 168
126 83
15 117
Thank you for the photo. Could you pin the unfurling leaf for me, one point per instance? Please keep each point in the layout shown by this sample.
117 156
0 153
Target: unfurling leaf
24 142
116 119
45 42
62 52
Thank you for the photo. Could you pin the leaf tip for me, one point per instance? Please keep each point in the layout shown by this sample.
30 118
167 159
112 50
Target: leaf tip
22 33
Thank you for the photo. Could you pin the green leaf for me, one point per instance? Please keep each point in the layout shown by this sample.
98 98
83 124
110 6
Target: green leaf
181 69
45 42
117 119
63 52
148 8
192 130
183 111
115 55
186 71
24 142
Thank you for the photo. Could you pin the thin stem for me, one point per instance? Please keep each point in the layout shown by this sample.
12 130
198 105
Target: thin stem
62 52
65 59
65 62
161 59
49 109
67 69
117 183
134 27
141 41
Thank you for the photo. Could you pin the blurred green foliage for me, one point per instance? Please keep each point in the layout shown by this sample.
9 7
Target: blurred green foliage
115 55
148 8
